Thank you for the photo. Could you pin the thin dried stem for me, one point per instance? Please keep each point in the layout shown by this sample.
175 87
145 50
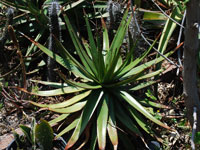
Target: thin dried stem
178 42
194 128
16 44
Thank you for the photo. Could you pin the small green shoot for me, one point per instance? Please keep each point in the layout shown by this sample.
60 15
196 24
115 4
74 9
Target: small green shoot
150 95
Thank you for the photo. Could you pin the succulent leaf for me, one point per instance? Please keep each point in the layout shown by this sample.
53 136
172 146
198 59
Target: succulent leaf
44 135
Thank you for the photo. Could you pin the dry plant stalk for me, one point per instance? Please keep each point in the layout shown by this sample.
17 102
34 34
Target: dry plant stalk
19 53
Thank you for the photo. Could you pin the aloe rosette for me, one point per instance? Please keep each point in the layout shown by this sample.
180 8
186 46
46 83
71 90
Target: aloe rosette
103 102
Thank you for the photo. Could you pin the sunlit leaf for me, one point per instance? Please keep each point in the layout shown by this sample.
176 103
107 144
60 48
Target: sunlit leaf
154 16
112 128
140 108
58 119
143 85
102 117
71 109
169 29
66 103
60 91
85 117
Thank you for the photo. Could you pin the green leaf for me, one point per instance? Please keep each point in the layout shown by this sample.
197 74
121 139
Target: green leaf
146 65
60 91
67 62
74 108
153 104
92 42
102 52
17 138
21 6
119 63
117 41
68 128
87 47
140 108
112 128
106 45
125 81
52 84
93 140
126 67
150 15
27 132
130 54
31 48
150 94
66 103
58 119
151 74
142 85
67 56
141 122
102 118
91 105
44 135
88 85
73 5
125 119
113 53
89 65
168 29
33 135
197 138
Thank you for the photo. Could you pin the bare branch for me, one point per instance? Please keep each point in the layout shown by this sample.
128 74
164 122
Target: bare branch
194 128
179 41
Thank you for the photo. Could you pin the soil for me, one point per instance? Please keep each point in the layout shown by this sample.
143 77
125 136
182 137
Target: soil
10 119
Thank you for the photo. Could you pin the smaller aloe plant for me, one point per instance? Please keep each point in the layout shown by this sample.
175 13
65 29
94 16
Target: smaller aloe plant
103 102
38 135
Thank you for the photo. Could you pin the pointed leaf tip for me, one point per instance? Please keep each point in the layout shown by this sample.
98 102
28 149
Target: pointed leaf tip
103 23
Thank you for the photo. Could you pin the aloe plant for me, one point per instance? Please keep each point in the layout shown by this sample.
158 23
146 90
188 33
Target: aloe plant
103 99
